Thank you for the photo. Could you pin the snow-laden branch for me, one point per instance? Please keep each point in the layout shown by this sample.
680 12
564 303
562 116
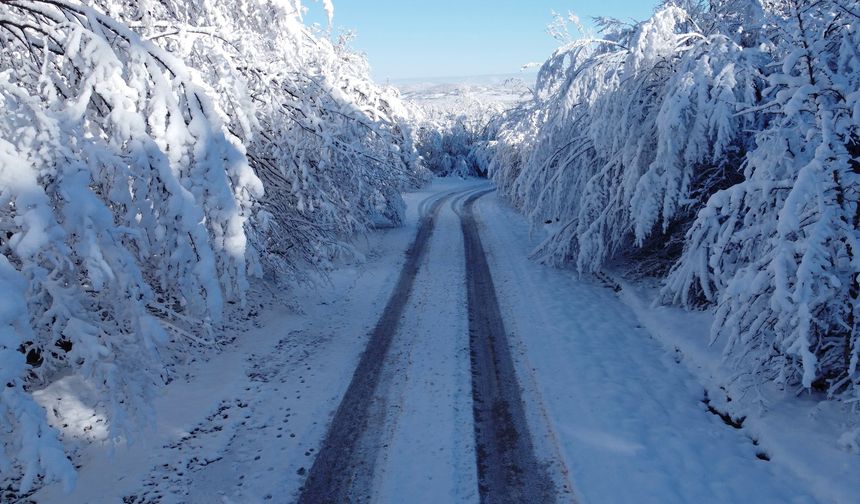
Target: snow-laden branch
153 155
730 133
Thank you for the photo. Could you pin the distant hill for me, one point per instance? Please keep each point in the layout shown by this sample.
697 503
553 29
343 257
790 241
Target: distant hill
447 93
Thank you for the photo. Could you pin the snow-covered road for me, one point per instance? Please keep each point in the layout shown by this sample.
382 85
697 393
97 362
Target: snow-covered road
376 376
390 417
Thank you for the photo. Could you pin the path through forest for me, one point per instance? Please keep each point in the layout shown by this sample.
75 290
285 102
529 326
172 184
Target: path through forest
447 368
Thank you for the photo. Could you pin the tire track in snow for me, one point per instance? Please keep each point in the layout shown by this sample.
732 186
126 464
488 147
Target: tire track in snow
508 469
342 464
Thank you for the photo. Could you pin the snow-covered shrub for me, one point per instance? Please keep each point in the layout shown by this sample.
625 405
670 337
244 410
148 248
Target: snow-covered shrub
777 252
136 139
629 130
729 126
35 445
332 148
124 198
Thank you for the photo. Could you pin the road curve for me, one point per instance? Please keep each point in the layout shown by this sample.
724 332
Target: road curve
508 470
341 465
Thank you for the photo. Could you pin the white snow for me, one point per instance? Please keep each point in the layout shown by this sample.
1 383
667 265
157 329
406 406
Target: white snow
151 160
163 168
726 129
627 410
430 452
456 94
815 439
244 424
607 393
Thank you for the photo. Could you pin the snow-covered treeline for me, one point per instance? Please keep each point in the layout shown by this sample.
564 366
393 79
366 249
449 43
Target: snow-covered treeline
452 140
716 144
154 155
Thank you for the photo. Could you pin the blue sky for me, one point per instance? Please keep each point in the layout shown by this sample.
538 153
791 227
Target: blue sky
448 38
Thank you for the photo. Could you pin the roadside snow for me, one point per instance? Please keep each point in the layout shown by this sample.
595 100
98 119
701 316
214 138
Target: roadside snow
815 438
629 419
243 425
613 387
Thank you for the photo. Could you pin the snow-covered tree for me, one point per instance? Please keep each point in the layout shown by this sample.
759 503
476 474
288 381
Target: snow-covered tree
453 140
630 129
777 252
136 139
124 199
727 130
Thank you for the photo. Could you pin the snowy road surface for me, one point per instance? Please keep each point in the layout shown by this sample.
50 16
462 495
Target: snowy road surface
508 468
344 469
367 394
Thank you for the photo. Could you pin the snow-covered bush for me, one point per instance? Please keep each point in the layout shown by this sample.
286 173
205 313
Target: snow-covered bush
124 197
620 132
136 140
777 252
730 127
